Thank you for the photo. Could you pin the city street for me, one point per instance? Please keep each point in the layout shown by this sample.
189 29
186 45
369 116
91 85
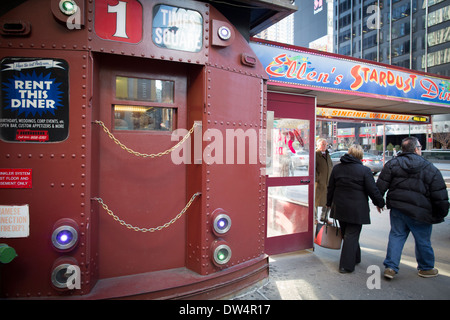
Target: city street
313 274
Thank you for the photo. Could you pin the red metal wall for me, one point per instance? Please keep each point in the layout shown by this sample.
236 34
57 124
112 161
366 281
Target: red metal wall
224 88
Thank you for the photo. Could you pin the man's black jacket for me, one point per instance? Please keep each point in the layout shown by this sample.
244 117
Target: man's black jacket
416 188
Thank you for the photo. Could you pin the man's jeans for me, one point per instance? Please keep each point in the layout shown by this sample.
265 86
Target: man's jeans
401 225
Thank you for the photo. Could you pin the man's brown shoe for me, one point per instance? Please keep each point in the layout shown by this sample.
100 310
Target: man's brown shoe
428 273
389 273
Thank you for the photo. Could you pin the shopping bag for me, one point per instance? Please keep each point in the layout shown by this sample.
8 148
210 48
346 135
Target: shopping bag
328 236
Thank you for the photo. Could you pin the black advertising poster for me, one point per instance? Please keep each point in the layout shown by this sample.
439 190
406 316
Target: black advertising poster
34 100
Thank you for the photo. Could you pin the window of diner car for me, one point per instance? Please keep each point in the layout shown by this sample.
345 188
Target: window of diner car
153 109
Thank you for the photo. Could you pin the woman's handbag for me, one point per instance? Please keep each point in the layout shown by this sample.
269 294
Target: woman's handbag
328 236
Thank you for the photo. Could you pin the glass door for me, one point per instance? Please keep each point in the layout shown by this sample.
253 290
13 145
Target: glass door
290 172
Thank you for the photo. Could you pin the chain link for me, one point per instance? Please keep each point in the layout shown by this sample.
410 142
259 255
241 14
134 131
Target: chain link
159 228
144 155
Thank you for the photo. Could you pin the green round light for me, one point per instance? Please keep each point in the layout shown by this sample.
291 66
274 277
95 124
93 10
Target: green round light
222 254
68 7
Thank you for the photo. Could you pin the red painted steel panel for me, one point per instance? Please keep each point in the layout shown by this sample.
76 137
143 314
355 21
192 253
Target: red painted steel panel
221 86
60 189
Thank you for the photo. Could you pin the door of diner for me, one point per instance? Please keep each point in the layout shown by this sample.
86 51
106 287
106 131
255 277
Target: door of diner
141 104
290 172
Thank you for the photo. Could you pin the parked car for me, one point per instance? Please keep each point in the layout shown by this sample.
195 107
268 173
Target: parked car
375 163
300 159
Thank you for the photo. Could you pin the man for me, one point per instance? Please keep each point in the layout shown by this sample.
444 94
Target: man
324 165
418 199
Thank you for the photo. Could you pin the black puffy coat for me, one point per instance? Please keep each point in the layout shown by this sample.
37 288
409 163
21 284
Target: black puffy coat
416 188
350 185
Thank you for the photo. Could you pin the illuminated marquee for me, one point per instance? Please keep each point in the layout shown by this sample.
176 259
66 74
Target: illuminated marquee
305 69
331 113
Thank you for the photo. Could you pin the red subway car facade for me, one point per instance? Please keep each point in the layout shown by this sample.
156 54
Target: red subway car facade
120 130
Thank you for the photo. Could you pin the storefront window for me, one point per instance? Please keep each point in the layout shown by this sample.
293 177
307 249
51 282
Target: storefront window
287 146
287 210
143 118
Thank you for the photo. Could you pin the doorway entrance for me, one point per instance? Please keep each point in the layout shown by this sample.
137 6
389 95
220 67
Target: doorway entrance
141 104
290 172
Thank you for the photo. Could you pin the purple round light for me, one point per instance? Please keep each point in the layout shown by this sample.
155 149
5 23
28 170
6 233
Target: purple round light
64 237
222 223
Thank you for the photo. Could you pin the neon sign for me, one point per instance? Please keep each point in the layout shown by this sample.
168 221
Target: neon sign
296 67
330 113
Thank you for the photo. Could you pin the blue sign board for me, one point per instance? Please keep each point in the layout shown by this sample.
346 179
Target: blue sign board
34 104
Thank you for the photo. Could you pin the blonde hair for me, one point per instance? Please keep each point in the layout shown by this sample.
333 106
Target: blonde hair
356 150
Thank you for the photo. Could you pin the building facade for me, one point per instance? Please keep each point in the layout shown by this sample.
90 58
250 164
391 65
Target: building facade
413 34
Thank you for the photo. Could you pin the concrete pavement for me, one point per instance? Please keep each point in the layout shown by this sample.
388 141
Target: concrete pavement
313 274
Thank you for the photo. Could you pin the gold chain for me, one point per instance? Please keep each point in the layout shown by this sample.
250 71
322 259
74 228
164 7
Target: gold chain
159 228
144 155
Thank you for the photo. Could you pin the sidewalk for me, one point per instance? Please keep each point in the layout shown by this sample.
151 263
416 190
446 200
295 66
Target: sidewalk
313 274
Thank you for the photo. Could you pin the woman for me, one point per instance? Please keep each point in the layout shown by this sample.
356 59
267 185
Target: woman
348 189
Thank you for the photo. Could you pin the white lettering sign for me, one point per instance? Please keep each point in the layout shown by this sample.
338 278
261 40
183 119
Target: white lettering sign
177 28
14 221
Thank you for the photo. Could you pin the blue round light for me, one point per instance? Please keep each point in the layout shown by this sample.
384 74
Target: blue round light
224 33
64 237
222 223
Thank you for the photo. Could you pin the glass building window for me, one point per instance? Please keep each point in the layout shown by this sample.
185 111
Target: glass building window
439 36
400 30
439 16
437 58
400 49
430 3
401 11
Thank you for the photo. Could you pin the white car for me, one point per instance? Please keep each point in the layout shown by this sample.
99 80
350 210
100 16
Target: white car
375 163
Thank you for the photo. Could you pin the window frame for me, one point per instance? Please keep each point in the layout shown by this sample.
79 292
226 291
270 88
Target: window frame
142 103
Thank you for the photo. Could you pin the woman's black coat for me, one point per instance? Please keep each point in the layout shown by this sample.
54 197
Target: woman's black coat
350 185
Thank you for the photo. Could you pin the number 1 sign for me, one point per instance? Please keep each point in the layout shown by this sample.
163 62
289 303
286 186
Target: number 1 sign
118 20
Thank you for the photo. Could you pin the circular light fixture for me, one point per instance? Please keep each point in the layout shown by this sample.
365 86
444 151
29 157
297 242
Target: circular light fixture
222 223
65 235
222 254
65 271
68 7
224 33
59 276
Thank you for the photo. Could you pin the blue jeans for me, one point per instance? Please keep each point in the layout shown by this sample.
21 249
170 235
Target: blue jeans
401 225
